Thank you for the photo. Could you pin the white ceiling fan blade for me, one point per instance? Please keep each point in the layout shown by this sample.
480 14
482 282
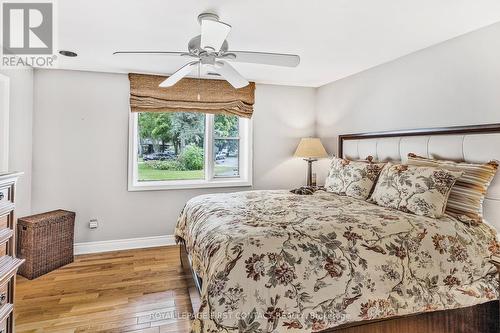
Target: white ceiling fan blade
230 74
151 52
276 59
177 76
213 34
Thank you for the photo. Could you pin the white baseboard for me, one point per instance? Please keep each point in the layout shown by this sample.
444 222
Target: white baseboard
123 244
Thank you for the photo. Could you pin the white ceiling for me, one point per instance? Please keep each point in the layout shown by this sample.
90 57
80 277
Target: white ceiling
335 38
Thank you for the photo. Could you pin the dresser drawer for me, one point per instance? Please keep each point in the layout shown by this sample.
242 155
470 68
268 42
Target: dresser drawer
5 308
3 249
3 326
4 226
4 294
4 221
6 316
5 197
9 266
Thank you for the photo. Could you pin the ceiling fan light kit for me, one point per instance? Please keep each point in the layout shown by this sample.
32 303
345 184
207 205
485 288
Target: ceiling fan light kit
213 32
211 50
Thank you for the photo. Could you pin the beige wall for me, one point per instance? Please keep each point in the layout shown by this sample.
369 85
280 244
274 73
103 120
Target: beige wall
453 83
80 144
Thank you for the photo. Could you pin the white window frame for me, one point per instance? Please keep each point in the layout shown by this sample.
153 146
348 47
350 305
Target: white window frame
245 161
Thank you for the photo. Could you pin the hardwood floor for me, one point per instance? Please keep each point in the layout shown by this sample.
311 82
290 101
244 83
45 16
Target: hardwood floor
124 291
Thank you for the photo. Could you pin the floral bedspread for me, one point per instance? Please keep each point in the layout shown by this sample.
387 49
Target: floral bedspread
273 261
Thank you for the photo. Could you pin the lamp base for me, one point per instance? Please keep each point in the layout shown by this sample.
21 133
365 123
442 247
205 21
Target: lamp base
309 170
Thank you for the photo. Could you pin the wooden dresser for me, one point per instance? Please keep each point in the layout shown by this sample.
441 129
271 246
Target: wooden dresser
8 262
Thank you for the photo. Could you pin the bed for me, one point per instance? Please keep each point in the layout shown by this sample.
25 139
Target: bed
272 261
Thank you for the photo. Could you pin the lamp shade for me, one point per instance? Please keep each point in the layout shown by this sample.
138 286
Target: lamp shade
310 148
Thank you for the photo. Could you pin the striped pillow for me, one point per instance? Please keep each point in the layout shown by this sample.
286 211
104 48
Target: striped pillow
467 195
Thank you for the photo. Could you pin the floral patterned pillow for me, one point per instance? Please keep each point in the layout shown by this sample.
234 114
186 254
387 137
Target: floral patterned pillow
352 178
414 189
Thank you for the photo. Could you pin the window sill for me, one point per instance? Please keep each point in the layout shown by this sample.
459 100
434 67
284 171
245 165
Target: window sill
186 185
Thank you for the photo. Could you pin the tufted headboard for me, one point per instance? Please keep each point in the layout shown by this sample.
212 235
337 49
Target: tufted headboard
475 144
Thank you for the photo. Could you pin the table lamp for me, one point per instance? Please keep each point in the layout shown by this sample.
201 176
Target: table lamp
310 149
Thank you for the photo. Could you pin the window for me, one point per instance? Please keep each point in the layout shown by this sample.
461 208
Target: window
188 150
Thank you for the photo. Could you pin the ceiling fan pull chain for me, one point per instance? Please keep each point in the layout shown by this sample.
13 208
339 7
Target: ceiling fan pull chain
199 80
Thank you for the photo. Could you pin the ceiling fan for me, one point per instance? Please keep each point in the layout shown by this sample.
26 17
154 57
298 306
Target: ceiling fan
210 49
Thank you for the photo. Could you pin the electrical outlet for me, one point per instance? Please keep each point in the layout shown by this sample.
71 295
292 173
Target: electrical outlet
93 224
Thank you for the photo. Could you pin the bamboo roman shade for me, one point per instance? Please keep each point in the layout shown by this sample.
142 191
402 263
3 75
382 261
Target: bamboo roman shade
216 96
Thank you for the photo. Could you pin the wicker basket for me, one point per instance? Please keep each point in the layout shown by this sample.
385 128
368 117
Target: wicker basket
45 241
